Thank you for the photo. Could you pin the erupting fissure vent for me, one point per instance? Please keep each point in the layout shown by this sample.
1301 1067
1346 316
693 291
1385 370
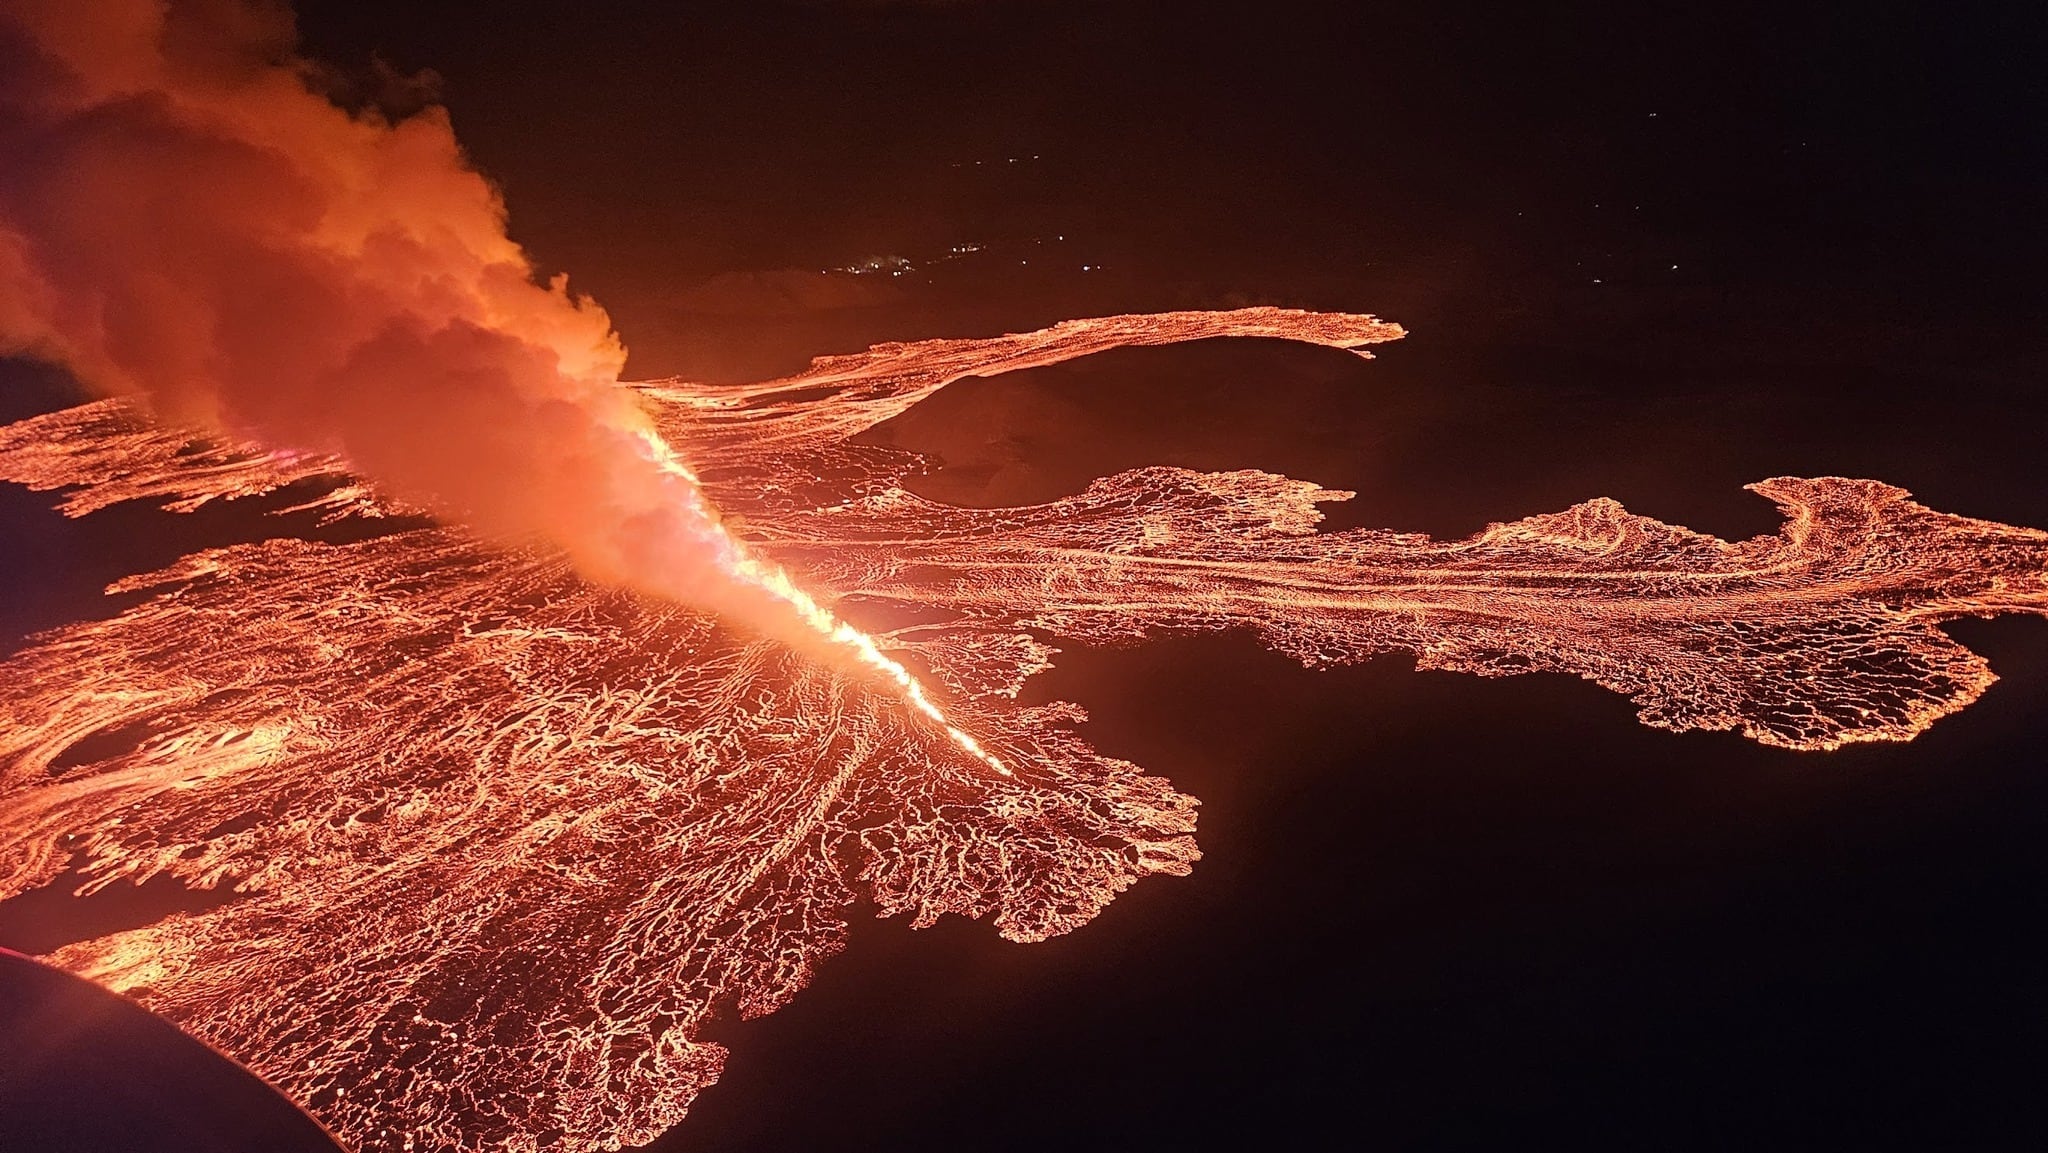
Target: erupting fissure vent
741 564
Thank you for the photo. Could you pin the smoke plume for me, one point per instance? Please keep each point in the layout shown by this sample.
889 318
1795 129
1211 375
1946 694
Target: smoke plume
184 218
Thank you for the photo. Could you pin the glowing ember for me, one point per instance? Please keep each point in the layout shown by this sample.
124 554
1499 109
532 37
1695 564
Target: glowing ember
507 838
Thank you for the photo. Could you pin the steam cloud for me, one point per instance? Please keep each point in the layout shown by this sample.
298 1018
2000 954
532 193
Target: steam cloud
185 218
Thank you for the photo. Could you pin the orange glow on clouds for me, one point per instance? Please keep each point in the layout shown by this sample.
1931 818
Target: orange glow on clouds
186 221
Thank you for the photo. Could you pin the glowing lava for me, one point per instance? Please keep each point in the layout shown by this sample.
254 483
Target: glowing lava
743 566
863 646
505 839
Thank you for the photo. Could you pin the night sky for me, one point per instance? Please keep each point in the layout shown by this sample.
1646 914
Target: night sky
1643 255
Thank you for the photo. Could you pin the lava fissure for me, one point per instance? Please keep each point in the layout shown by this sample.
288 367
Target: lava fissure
522 833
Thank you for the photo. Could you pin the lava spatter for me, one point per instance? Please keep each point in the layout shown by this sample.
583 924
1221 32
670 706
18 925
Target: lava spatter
505 838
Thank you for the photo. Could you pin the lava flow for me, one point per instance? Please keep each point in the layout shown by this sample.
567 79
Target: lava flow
743 566
502 837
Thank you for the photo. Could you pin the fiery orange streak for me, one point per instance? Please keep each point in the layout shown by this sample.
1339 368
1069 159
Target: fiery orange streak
776 582
772 578
742 565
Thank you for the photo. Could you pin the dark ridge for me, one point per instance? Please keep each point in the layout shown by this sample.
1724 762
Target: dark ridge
797 396
50 917
60 566
102 745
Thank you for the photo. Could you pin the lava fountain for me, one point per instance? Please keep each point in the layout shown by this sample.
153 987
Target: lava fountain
845 640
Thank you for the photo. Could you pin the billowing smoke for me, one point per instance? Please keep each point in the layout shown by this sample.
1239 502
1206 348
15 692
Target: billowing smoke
185 218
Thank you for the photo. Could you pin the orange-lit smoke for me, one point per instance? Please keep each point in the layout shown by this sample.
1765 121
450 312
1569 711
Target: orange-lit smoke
183 218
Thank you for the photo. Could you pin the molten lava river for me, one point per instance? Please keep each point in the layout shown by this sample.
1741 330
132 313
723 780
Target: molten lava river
495 887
